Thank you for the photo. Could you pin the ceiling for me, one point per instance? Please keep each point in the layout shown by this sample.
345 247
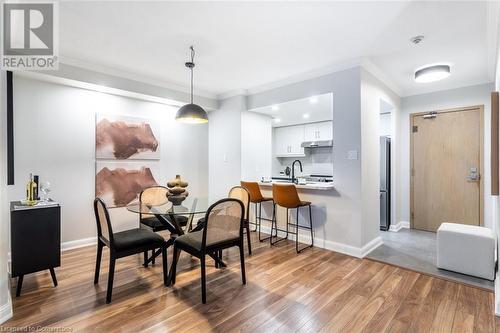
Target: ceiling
316 108
247 45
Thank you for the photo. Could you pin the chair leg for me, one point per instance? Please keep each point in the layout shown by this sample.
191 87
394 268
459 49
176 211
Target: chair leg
297 232
98 262
145 259
174 264
272 225
242 263
153 257
248 239
165 266
203 280
311 225
255 218
111 276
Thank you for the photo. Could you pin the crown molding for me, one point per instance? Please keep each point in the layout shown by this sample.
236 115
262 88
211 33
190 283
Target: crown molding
338 67
134 76
232 93
369 66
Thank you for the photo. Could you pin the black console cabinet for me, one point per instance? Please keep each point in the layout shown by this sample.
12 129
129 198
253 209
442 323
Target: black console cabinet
35 241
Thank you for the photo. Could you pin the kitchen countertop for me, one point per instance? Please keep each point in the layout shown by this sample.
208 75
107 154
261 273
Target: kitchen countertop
309 186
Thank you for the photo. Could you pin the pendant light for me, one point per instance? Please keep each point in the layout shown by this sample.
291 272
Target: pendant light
191 113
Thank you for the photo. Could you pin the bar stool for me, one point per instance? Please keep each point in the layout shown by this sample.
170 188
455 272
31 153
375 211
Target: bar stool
257 199
287 197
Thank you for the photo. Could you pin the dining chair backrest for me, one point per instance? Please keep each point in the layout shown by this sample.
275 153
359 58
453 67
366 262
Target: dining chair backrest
153 196
254 190
286 196
223 222
104 228
242 194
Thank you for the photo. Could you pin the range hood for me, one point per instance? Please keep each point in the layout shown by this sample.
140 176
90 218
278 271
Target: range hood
317 144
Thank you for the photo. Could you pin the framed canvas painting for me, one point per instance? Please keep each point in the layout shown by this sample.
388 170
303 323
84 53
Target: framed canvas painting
125 138
120 183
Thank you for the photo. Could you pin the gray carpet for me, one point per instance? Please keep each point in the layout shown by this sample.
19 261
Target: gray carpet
416 250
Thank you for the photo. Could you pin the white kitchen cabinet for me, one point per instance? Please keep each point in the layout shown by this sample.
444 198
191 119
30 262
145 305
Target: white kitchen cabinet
318 131
288 141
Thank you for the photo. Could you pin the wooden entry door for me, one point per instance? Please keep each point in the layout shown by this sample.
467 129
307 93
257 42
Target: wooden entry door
446 168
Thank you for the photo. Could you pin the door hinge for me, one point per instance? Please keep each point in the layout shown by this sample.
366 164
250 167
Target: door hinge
412 215
415 129
412 172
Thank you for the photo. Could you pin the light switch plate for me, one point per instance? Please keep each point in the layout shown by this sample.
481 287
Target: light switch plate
352 155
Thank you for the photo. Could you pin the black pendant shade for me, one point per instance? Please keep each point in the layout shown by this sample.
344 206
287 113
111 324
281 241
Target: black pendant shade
191 113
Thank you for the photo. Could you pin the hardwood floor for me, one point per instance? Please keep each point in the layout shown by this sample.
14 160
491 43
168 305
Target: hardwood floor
315 291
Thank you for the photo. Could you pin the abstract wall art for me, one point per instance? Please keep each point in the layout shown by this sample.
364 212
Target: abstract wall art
120 183
122 138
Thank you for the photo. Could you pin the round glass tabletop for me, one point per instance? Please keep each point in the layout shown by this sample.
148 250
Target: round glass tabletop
192 205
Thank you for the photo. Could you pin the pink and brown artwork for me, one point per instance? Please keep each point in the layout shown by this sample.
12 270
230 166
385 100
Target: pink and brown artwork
120 184
122 138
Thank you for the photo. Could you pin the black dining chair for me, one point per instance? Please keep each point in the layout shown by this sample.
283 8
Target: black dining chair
155 196
223 228
123 244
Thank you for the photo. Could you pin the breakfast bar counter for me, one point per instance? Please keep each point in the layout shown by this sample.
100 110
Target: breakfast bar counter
323 186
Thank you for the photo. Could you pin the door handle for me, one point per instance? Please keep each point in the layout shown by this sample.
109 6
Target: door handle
473 175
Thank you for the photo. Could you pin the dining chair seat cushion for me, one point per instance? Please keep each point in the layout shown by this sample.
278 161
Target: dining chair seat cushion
194 239
154 223
136 238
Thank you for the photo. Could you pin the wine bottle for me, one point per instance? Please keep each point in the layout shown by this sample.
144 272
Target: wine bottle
30 191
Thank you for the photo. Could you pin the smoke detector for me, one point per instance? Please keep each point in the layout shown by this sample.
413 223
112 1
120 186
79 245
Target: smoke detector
417 39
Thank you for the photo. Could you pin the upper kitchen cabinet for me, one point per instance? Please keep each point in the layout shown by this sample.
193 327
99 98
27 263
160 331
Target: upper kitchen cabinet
288 140
318 131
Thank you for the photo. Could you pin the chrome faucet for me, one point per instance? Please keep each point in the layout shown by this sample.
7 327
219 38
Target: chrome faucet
293 170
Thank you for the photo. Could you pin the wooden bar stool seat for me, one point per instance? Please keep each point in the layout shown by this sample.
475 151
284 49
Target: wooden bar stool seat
287 197
257 199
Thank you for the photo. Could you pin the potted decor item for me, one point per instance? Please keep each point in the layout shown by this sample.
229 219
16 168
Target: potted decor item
177 190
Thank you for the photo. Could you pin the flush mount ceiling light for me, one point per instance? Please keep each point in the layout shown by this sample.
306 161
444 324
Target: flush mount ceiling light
305 115
313 100
191 113
277 120
275 108
432 73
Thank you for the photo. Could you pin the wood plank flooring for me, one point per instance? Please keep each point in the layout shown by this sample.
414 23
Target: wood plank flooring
315 291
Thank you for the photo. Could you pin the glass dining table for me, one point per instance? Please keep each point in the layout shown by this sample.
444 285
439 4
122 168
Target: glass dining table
167 213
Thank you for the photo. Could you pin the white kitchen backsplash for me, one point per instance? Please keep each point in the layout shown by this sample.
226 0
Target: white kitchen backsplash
318 161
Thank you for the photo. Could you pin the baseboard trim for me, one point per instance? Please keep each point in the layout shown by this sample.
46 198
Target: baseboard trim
400 225
305 238
75 244
6 311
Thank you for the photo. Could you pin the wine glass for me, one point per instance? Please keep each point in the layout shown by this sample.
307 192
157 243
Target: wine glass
45 190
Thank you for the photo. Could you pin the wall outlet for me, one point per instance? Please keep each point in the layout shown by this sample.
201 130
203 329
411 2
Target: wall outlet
352 155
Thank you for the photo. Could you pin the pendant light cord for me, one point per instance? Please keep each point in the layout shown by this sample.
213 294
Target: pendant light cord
192 61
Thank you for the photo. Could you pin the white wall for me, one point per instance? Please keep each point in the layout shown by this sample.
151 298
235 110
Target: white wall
256 146
55 138
461 97
5 303
373 92
225 146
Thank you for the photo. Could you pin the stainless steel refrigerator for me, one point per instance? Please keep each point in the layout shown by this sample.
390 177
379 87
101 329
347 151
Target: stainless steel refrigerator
385 182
